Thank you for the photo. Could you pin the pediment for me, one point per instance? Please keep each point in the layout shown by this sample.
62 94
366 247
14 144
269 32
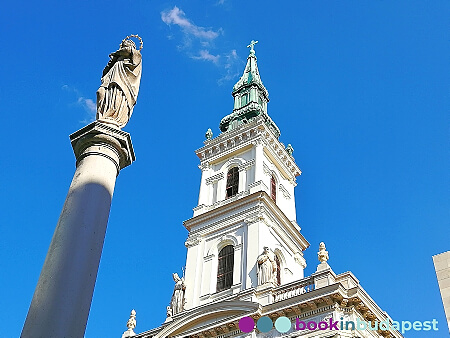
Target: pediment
207 316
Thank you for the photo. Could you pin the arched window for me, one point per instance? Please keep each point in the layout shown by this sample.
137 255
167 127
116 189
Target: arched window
232 182
225 268
273 189
277 261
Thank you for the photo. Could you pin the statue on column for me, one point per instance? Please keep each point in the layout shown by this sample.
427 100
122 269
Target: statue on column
121 77
267 267
177 302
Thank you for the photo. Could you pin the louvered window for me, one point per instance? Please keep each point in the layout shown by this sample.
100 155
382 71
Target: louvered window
225 268
232 182
277 261
273 189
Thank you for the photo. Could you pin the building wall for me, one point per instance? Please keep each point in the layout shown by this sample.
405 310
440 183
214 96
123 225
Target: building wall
442 267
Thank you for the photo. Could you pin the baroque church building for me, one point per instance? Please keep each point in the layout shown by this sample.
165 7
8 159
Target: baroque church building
245 248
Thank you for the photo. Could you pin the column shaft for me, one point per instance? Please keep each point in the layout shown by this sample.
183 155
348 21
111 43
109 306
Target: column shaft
63 295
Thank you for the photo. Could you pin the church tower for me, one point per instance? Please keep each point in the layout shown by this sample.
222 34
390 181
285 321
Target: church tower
246 203
245 248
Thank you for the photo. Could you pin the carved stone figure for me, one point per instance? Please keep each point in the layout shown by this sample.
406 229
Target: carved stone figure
267 267
121 77
322 254
177 302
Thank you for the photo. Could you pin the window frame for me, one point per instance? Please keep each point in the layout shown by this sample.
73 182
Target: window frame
225 267
273 188
232 185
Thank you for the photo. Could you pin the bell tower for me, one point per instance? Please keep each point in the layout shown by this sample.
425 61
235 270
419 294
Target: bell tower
246 205
245 261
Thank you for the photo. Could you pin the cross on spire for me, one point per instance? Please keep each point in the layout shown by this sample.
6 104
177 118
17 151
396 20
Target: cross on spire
251 46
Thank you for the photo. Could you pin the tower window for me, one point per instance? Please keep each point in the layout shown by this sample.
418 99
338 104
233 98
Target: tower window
244 99
277 261
273 189
225 268
232 182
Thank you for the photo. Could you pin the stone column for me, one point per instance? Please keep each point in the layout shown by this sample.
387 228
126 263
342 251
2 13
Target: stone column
63 295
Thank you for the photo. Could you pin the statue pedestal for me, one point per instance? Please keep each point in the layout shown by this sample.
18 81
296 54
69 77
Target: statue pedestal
63 295
128 333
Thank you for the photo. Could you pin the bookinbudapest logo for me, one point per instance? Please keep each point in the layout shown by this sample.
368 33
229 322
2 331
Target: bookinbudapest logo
283 325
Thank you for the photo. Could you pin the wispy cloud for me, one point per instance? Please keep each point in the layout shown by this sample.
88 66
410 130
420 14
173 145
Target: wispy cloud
177 17
199 43
205 55
233 67
88 105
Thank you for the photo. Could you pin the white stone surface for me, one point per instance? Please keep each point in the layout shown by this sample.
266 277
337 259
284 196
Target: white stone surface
62 299
249 220
442 267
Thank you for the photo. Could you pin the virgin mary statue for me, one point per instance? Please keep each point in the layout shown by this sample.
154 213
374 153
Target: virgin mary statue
118 92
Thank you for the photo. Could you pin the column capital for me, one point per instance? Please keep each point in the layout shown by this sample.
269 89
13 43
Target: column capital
99 134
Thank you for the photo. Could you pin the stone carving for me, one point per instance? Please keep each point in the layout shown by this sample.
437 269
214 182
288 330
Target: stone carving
322 254
121 77
131 324
209 134
298 258
177 302
267 267
168 311
192 241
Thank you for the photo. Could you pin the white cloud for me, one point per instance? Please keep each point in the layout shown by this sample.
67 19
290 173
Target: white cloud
206 56
177 17
88 105
198 43
233 66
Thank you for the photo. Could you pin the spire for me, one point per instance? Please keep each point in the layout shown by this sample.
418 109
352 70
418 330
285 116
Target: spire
250 97
251 74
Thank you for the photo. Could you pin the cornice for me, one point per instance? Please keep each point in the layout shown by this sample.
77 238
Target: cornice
214 178
263 210
248 135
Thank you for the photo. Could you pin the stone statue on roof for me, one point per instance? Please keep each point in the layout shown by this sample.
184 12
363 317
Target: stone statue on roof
323 253
177 301
121 77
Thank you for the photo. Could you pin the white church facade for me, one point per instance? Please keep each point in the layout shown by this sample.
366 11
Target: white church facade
245 248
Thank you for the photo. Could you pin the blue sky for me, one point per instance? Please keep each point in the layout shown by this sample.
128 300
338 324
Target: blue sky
359 88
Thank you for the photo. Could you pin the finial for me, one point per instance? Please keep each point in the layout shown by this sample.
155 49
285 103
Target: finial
209 134
131 324
251 46
323 253
289 149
